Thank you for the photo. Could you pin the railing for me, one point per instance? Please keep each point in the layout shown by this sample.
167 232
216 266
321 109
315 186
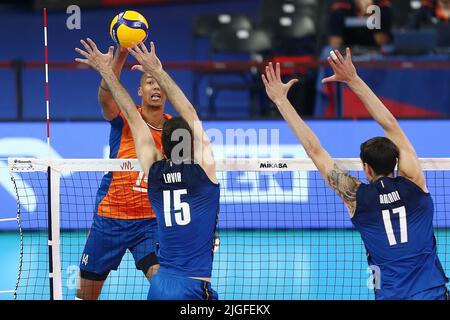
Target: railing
211 67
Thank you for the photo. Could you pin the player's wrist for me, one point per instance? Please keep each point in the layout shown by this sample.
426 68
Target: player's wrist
107 74
280 101
354 81
156 72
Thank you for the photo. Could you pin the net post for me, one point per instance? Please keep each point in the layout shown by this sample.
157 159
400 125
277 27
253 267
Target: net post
54 257
19 224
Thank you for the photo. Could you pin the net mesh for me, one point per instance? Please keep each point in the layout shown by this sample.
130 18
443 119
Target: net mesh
284 235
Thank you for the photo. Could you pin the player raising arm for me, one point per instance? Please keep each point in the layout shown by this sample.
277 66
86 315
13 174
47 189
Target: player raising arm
342 183
143 140
394 215
183 193
408 165
123 217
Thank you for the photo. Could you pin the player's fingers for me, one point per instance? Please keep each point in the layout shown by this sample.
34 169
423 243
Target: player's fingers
111 51
272 71
292 82
278 71
329 79
339 56
137 67
144 48
133 52
332 64
268 74
84 61
152 47
92 44
136 48
83 53
264 80
86 46
349 55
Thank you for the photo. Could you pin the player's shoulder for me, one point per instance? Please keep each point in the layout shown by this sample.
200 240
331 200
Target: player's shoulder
157 166
409 184
120 118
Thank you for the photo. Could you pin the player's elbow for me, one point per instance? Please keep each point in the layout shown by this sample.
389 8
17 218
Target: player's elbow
391 124
313 149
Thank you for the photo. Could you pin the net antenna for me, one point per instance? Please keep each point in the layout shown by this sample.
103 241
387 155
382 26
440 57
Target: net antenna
47 98
53 176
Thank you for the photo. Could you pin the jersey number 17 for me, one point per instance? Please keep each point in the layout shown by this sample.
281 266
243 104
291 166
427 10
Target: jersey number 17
401 211
181 210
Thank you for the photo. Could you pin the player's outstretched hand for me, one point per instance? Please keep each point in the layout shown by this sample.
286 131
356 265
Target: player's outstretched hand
148 61
344 70
275 88
102 62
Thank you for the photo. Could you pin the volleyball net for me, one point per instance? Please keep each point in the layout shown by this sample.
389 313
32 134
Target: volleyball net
283 233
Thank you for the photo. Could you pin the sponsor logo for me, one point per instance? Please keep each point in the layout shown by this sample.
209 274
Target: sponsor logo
127 166
273 165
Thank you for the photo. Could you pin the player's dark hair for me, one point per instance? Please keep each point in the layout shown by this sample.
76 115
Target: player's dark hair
381 154
169 140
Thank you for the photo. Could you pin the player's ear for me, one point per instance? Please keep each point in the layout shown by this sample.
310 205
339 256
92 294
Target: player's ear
370 171
140 91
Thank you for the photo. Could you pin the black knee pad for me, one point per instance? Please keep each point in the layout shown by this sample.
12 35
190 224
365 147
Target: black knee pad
146 262
93 276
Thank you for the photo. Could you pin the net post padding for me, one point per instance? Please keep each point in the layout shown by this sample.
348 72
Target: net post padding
54 233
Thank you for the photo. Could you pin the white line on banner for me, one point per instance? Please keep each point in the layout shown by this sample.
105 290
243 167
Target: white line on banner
8 219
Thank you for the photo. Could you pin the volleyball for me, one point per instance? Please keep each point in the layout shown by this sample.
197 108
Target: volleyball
129 27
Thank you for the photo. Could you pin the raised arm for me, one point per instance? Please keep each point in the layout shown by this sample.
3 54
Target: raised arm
150 63
341 182
110 109
143 140
345 71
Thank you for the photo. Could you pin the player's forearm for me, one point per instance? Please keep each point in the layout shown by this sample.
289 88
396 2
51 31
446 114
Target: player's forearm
120 95
109 107
373 104
301 130
119 61
176 96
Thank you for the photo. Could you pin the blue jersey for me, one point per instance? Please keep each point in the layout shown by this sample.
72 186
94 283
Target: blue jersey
395 219
186 204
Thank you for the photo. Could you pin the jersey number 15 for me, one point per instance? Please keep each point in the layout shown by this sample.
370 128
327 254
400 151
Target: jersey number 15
181 210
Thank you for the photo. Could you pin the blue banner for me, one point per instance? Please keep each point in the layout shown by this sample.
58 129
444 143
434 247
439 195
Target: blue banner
249 199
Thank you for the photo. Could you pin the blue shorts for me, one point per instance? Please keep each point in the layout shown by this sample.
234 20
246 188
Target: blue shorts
438 293
108 241
166 286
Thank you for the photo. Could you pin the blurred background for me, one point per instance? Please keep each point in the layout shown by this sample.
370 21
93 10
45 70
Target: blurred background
214 49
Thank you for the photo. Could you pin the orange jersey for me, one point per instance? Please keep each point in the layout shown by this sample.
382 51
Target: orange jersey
123 195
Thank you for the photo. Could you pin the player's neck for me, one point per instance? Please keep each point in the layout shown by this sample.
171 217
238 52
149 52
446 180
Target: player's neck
376 178
154 116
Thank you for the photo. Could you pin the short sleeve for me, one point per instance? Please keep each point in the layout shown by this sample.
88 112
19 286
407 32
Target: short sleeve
118 121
